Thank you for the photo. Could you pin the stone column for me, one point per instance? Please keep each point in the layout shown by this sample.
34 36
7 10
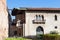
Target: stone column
3 19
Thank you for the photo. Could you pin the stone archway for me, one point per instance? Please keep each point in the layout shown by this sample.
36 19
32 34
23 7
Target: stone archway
39 30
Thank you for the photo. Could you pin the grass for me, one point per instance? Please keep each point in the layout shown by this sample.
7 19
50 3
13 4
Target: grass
16 39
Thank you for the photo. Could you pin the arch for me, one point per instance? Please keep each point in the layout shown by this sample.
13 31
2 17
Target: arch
39 30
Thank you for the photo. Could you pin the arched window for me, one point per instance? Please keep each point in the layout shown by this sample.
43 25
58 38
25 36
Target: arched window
55 17
36 17
42 17
39 17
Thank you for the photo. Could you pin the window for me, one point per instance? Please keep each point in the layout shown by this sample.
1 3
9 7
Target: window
42 17
55 17
36 17
55 27
39 17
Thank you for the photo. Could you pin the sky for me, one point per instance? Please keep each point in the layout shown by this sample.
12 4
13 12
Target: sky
33 3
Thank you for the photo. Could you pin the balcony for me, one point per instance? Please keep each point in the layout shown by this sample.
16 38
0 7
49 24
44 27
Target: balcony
19 23
39 21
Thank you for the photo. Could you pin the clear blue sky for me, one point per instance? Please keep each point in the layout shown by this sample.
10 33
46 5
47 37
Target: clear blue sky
33 3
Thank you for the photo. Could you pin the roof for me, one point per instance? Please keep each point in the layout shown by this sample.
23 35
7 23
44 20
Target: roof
36 9
43 8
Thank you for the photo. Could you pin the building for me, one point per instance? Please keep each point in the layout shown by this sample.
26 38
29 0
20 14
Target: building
33 21
9 21
3 20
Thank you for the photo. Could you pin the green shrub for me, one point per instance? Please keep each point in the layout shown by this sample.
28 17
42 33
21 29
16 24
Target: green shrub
51 37
53 32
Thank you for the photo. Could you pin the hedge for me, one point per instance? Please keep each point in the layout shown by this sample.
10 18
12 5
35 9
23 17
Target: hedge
51 37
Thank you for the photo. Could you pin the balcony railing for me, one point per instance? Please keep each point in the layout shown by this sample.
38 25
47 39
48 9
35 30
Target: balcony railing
39 21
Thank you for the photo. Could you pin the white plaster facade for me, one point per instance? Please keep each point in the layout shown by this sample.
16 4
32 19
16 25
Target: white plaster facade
50 23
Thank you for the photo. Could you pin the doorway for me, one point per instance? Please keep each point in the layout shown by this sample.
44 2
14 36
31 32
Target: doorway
39 30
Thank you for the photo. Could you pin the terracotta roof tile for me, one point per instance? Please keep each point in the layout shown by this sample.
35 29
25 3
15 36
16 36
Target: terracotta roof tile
43 8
